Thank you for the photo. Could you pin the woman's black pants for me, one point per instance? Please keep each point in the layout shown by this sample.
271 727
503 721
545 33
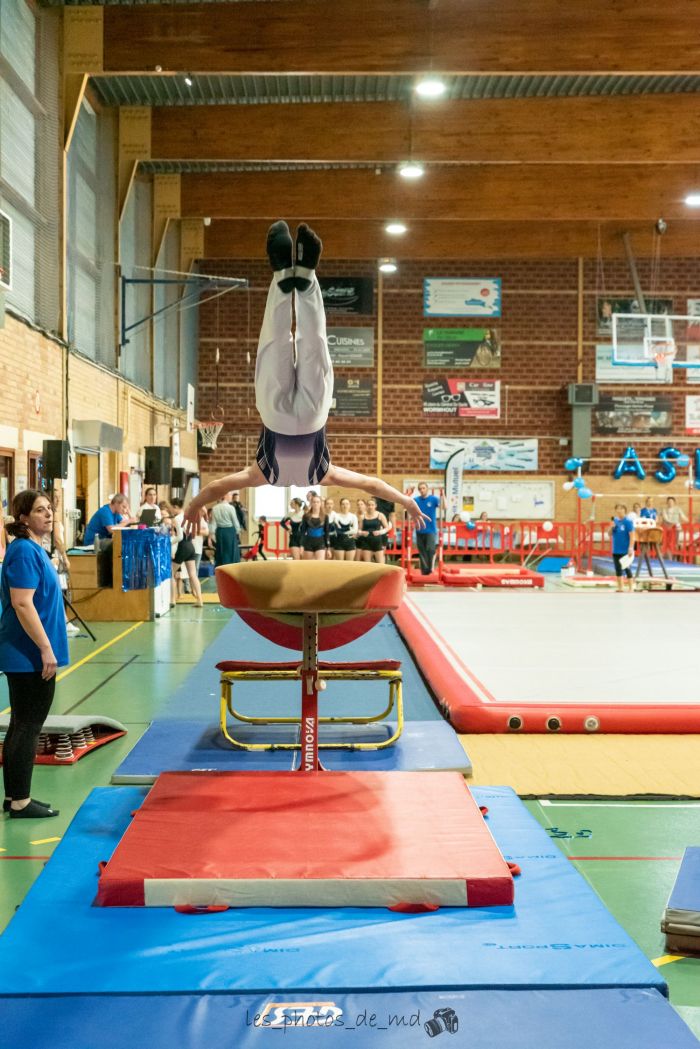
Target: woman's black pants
30 700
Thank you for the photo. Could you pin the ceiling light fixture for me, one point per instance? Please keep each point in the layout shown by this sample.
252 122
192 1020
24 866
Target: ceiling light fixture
387 266
411 170
188 80
431 87
396 229
693 200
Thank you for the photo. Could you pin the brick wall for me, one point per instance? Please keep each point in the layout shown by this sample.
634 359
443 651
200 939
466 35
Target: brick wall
538 332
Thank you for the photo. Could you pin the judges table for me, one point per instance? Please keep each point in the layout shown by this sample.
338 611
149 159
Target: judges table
140 578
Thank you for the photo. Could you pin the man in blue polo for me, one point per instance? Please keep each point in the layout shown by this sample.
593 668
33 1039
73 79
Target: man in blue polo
105 520
622 533
426 534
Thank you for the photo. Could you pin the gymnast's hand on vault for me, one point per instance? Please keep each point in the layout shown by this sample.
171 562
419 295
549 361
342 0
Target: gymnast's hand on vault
416 514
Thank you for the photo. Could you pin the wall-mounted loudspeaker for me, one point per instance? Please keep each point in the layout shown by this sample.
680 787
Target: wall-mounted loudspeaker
55 456
582 394
157 464
178 477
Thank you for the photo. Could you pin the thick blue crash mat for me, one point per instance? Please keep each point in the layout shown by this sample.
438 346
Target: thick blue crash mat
183 746
558 934
603 1019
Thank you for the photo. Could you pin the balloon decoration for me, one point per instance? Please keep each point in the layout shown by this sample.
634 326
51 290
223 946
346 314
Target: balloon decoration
668 456
696 470
578 483
629 464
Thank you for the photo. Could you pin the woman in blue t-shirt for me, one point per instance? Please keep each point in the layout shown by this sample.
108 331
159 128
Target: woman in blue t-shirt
33 643
622 534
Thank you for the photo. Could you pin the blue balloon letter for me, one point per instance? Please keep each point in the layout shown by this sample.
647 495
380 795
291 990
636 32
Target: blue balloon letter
668 455
629 464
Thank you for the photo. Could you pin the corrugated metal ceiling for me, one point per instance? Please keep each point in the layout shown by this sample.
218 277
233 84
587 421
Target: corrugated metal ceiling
171 90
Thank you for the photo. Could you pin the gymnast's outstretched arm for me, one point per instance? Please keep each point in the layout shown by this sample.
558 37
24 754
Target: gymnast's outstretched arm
338 475
251 477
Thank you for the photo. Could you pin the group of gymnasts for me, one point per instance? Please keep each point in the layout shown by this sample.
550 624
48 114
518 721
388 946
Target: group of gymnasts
317 531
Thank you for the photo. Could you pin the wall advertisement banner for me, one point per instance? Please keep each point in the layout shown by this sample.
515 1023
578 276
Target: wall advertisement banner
464 398
462 297
490 454
461 348
692 414
351 347
347 294
352 398
633 415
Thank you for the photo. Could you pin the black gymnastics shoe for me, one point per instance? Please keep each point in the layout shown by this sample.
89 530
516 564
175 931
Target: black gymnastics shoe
308 252
6 805
33 811
280 251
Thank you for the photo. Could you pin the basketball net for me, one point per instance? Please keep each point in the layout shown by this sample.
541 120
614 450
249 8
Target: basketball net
208 433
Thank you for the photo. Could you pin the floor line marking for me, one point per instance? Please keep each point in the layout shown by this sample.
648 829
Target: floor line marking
44 841
666 959
108 644
86 659
102 683
25 857
619 804
618 858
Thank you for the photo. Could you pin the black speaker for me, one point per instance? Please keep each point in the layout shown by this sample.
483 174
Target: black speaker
55 456
157 464
178 477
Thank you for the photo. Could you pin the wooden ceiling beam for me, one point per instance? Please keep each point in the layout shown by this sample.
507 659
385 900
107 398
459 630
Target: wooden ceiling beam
405 36
358 240
479 192
634 129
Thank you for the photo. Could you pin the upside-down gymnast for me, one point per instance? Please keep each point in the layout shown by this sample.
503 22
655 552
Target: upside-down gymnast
294 386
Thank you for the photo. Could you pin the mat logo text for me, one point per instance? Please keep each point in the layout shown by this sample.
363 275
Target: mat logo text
297 1014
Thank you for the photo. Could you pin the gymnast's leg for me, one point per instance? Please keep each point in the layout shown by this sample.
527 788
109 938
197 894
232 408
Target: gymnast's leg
314 369
275 376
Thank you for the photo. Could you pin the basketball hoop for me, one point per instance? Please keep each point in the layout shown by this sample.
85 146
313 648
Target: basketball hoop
207 434
664 351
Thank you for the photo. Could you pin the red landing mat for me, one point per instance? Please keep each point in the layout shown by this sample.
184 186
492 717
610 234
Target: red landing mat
328 839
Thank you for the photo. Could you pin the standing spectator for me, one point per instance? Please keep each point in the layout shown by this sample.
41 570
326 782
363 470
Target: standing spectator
184 554
373 529
33 644
426 533
315 535
622 534
361 541
343 543
241 512
225 530
292 526
199 540
648 511
329 506
635 513
672 518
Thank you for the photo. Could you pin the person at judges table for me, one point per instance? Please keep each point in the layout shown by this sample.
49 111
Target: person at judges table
294 385
105 520
150 497
33 644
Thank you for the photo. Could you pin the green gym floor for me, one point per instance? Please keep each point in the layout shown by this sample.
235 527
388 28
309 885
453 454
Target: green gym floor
629 852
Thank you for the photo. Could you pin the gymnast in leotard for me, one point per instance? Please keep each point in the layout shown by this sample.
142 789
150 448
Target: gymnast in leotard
294 386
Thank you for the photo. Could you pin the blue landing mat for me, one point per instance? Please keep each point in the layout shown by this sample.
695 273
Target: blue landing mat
197 698
605 566
557 936
604 1019
183 746
427 741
